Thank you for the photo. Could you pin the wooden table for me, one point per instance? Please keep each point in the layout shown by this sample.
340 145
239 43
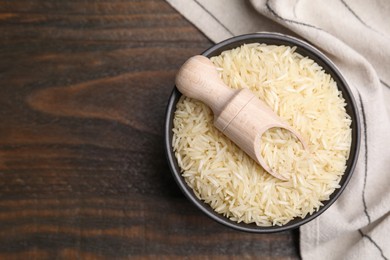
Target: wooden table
83 90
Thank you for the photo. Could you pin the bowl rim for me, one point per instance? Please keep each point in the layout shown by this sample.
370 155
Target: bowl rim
347 95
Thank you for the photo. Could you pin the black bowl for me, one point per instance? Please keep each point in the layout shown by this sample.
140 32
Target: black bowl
306 50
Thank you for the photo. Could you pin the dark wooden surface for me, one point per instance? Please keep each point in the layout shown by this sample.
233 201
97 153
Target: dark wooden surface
83 90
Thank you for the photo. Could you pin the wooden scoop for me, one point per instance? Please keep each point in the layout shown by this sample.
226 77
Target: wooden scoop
239 114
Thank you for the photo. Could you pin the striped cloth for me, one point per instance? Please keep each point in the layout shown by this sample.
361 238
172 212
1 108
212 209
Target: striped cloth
355 34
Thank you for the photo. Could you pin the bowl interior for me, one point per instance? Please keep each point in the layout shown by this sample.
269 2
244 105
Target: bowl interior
306 50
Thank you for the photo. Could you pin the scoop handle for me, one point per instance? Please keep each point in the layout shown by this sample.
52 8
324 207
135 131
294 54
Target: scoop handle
198 78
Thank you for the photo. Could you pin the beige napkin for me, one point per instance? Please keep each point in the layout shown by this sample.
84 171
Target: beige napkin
355 34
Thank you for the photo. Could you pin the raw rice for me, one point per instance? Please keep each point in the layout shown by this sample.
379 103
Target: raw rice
301 93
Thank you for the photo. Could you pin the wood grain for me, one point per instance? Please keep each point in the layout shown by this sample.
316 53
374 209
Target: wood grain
83 91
